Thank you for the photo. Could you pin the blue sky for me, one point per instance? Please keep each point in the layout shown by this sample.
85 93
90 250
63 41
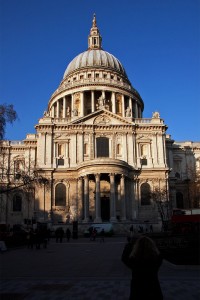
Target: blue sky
157 41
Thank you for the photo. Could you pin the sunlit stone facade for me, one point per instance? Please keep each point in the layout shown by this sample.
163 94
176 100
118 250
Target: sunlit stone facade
97 158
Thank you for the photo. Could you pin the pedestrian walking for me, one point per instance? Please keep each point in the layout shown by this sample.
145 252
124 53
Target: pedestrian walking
102 235
131 231
68 234
59 234
94 234
144 259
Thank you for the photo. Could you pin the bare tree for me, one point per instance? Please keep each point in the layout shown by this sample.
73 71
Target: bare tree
160 197
17 175
7 115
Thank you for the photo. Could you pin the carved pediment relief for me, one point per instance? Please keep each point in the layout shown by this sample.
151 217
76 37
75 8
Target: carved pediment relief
102 117
102 120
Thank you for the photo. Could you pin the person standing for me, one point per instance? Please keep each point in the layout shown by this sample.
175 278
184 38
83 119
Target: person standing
131 231
144 259
68 234
102 235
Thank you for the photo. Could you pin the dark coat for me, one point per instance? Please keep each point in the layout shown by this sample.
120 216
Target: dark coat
144 283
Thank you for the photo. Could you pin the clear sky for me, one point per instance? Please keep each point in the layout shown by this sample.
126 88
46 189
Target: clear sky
157 41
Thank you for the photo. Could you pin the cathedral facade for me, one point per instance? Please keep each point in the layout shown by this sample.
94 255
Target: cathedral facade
94 158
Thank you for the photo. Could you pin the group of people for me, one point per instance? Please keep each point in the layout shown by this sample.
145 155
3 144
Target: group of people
140 255
38 238
59 234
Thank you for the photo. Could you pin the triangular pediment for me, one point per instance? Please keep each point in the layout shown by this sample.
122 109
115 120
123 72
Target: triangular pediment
102 117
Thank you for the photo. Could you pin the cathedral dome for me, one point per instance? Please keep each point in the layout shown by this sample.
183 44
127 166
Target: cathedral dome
95 58
93 79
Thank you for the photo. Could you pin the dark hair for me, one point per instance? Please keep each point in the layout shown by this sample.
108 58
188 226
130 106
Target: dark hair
144 248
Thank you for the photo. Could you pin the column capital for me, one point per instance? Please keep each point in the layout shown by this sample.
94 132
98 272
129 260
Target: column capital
111 174
97 175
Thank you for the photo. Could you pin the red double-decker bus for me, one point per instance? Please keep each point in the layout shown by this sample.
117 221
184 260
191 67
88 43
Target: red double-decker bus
185 221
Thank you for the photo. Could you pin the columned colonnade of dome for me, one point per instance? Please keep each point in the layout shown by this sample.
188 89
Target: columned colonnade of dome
82 103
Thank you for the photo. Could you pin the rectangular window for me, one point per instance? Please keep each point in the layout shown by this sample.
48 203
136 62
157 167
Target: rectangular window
61 150
102 147
143 161
60 162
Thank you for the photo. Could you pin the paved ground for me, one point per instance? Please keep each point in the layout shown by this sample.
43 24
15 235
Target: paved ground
84 270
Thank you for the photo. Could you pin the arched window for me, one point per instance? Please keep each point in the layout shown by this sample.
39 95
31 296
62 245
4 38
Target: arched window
60 195
179 200
145 194
102 147
17 202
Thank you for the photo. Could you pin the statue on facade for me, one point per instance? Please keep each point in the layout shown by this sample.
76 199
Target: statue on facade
128 112
75 112
156 115
68 111
101 102
46 114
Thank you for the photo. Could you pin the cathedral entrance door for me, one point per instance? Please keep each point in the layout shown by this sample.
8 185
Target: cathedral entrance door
105 208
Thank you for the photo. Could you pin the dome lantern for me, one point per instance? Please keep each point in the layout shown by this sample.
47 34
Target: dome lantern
94 39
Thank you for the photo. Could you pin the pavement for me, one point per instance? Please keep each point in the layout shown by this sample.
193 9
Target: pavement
84 270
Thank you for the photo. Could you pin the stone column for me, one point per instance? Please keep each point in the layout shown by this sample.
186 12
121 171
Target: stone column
53 111
92 101
123 198
67 153
97 200
134 200
113 103
136 192
112 198
82 104
86 199
57 109
64 107
131 107
80 199
72 105
123 108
